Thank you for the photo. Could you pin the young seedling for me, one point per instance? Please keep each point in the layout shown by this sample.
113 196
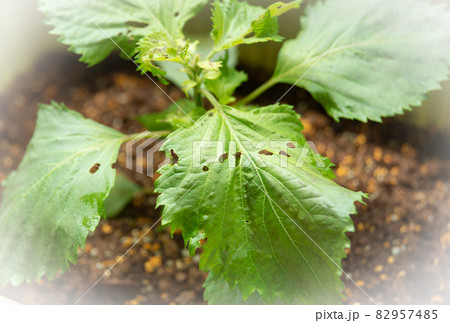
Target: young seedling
242 183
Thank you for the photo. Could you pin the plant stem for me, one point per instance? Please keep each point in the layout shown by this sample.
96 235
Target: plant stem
263 88
198 99
211 54
212 99
194 76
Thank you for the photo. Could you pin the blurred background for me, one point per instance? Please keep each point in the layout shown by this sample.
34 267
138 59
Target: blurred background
400 247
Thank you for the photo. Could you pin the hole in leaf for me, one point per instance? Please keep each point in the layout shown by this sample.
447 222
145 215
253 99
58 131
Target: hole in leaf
136 24
247 221
205 168
238 158
94 168
290 145
174 157
223 158
282 152
265 152
176 14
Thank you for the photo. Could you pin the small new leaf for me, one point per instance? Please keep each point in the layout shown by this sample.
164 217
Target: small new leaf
159 47
176 73
266 26
273 220
211 70
236 23
187 86
365 60
56 196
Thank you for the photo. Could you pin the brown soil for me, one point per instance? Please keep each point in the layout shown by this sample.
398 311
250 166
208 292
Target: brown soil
400 249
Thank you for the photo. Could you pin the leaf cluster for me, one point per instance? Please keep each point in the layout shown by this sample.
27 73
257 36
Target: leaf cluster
244 187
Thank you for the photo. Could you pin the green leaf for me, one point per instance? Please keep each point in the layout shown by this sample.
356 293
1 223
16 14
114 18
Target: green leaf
173 117
187 87
158 47
211 70
56 195
364 61
224 86
126 22
274 224
235 21
121 195
218 292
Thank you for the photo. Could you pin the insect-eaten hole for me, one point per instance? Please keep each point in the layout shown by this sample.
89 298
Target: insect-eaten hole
176 14
238 158
247 221
223 158
282 152
94 168
136 24
265 152
205 168
173 157
290 145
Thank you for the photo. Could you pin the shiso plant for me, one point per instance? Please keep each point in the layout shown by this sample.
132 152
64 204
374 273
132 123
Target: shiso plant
242 184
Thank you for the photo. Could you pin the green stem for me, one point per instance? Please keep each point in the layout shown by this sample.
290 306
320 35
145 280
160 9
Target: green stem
198 99
194 75
211 54
211 98
260 90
